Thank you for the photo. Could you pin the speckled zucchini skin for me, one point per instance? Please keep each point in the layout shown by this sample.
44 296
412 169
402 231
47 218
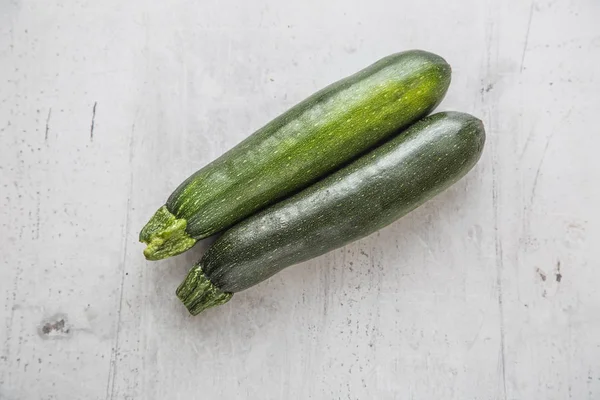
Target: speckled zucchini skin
304 144
359 199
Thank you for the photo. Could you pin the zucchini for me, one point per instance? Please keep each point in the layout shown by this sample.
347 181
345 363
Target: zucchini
304 144
357 200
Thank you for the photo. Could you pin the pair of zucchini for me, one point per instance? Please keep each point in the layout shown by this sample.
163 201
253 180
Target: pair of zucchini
246 192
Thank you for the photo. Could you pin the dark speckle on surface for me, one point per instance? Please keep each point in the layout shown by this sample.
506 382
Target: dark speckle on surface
54 327
57 326
541 274
93 121
558 274
488 88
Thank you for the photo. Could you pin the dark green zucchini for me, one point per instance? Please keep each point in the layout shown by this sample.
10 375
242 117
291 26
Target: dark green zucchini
304 144
359 199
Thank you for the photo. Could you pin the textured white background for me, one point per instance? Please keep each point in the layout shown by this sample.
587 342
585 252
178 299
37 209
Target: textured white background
487 292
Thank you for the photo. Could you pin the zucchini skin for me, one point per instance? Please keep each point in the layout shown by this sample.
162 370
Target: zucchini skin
357 200
309 141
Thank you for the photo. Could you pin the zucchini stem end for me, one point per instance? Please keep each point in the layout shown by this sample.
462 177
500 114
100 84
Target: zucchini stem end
198 293
165 236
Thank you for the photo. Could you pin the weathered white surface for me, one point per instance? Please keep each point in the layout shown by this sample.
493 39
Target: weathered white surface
487 292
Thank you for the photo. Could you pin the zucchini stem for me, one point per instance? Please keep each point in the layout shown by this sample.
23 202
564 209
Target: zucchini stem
165 235
198 293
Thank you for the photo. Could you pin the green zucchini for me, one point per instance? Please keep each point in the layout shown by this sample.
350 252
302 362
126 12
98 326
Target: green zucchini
355 201
307 142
